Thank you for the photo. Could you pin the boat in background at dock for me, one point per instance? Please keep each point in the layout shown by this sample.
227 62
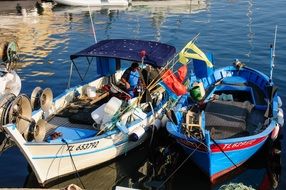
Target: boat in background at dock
94 2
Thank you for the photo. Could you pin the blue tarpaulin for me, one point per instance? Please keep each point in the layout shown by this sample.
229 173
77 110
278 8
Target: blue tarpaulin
157 54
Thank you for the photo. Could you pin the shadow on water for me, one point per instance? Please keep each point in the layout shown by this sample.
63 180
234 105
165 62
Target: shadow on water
163 165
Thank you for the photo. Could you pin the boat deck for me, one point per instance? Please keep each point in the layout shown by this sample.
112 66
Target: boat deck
76 116
233 113
229 119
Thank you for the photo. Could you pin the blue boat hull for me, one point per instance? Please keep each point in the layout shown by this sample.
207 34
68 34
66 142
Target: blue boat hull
215 163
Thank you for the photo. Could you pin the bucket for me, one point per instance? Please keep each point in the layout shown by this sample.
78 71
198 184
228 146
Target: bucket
196 93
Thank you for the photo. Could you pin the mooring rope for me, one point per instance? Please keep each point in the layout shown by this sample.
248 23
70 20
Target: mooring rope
166 180
77 173
3 148
224 152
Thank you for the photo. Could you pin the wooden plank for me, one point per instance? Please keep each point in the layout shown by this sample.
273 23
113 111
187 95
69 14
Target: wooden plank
99 97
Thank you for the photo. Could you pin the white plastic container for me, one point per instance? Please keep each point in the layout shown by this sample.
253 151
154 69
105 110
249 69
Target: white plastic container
91 91
139 114
97 115
112 106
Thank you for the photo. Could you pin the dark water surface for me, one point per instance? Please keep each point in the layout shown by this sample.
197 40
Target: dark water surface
229 29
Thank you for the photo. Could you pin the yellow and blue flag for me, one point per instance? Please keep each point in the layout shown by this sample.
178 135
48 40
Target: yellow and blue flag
185 55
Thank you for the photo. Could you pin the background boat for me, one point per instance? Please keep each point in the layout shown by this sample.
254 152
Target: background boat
93 2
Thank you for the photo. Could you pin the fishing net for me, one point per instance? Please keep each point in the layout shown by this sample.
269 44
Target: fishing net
235 186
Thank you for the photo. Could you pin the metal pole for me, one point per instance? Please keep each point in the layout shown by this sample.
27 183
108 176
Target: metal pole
69 81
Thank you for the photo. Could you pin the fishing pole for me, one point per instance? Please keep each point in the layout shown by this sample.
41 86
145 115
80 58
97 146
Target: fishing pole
271 88
272 54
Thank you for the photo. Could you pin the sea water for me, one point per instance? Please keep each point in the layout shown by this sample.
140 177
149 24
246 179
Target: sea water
242 29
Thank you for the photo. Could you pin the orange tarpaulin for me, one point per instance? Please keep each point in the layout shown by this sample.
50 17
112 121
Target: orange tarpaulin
182 72
175 83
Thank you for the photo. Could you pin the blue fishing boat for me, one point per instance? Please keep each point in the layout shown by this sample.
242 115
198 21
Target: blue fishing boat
228 114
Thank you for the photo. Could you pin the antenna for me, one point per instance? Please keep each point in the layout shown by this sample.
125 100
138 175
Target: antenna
272 54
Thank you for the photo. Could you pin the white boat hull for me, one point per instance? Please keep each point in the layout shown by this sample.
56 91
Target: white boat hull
50 161
93 2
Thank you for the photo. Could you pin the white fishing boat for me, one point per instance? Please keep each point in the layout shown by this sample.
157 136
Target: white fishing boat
92 123
9 80
94 2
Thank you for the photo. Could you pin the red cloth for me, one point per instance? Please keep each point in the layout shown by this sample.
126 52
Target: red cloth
174 83
182 72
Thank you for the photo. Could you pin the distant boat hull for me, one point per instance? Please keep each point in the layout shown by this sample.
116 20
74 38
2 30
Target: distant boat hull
93 2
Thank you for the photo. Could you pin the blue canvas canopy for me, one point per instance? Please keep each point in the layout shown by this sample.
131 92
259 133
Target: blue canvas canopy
157 54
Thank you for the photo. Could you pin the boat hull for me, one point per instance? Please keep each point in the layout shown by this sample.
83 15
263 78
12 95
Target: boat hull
93 2
218 161
53 160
